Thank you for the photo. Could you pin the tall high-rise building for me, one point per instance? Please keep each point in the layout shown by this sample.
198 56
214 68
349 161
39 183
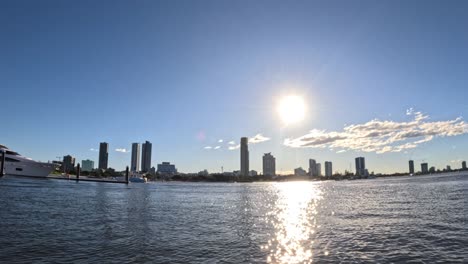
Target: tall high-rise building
312 168
146 156
411 167
68 163
424 168
360 166
87 165
463 165
135 162
328 169
103 155
269 165
244 156
318 169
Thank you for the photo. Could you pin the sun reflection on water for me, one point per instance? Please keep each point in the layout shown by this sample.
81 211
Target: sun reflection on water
294 220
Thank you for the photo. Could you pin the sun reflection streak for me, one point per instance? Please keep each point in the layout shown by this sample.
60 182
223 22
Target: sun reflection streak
294 220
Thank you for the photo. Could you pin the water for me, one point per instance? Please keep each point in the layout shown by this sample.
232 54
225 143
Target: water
408 219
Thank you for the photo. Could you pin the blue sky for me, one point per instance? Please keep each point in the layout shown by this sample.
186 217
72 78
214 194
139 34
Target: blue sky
185 74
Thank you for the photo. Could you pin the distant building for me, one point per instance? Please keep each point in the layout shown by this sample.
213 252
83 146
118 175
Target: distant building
300 172
167 168
269 165
87 165
464 165
449 168
312 168
146 156
424 168
68 163
360 166
328 169
318 169
253 173
244 156
203 173
103 155
135 161
411 167
229 174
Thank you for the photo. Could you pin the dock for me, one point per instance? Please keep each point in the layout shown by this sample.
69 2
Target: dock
84 178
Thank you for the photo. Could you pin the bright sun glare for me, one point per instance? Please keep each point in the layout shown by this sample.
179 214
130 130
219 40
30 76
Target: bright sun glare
291 109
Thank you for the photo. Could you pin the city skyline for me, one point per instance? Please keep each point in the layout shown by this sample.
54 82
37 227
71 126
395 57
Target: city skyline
382 80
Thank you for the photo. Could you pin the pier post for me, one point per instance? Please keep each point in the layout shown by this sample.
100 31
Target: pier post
78 172
2 167
126 175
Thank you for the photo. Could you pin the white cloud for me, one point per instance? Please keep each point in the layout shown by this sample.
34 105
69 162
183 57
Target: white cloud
381 136
253 140
217 147
207 147
92 149
258 138
341 151
121 150
234 147
220 141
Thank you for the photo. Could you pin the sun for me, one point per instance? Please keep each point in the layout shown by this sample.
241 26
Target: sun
291 109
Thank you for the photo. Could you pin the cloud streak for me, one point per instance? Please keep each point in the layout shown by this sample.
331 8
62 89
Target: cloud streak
253 140
258 138
234 147
122 150
381 136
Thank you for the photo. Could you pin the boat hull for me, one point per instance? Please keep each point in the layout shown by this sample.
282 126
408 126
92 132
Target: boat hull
30 169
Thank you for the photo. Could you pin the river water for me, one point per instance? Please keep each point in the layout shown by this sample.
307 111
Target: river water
405 219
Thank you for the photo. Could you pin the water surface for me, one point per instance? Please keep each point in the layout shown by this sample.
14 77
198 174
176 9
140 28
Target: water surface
405 219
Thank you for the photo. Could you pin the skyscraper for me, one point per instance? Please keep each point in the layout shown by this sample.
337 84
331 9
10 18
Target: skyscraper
411 167
328 169
464 165
244 157
135 162
146 156
103 155
424 168
360 166
312 168
318 169
68 163
269 165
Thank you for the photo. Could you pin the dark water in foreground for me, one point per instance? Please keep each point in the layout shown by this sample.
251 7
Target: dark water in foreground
418 219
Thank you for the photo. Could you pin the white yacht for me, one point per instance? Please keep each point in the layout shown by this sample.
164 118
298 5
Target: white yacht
15 164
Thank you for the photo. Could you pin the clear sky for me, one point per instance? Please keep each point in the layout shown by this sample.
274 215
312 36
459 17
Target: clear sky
187 74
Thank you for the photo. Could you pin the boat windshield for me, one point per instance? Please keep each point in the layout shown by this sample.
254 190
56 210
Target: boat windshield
9 152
